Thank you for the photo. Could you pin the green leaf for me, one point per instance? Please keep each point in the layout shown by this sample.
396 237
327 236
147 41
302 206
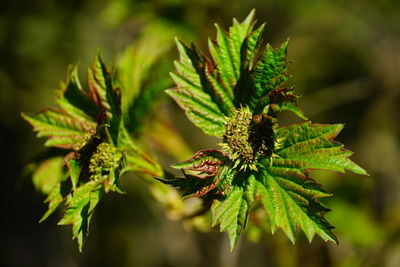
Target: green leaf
232 52
48 173
62 129
185 69
105 96
250 49
269 73
231 213
291 204
193 91
80 206
311 146
199 108
54 198
73 99
208 79
238 76
74 171
227 49
70 126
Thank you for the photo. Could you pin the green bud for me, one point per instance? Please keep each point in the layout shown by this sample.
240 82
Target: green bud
103 160
249 137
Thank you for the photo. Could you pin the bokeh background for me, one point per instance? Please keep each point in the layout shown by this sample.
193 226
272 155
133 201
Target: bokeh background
346 63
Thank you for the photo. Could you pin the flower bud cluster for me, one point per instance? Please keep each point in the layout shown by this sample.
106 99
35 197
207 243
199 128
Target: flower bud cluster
104 159
237 134
249 137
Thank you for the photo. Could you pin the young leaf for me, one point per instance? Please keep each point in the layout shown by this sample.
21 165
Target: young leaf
80 207
311 146
73 99
291 201
55 198
207 171
231 214
270 72
239 75
204 164
106 97
199 108
48 173
64 130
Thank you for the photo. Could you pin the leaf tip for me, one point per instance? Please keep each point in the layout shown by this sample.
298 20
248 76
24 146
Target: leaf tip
233 242
250 16
24 116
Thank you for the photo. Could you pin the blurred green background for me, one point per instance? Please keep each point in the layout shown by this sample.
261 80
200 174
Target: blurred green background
346 62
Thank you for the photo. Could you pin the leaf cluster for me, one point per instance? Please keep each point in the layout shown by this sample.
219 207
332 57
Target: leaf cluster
237 96
89 125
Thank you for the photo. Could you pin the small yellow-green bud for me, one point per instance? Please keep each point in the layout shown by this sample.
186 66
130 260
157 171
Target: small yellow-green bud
104 159
249 136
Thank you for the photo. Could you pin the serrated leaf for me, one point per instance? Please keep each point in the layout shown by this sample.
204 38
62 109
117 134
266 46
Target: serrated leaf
207 172
291 207
199 109
193 186
231 213
73 99
269 73
227 49
74 171
284 99
55 198
208 76
311 146
203 164
219 80
250 49
237 77
185 67
62 129
80 206
199 93
106 97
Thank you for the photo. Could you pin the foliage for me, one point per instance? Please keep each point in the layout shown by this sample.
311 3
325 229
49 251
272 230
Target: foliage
237 96
89 124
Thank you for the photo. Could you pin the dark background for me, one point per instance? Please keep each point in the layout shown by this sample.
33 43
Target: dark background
346 62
